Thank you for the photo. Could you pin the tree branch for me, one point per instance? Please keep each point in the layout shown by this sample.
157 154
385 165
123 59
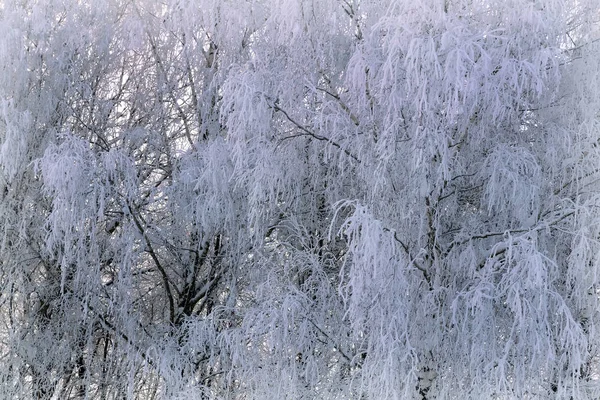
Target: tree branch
159 266
308 132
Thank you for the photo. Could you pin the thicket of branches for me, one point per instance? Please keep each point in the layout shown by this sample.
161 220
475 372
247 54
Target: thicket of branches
298 199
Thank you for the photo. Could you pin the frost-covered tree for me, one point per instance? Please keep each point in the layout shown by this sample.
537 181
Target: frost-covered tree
335 199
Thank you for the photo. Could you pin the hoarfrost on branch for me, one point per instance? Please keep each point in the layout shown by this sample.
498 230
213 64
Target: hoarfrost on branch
295 199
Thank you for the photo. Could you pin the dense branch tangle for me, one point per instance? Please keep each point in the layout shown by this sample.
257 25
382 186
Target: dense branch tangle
326 199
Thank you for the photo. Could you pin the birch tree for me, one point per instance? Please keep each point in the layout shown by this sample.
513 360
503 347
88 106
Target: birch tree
299 199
